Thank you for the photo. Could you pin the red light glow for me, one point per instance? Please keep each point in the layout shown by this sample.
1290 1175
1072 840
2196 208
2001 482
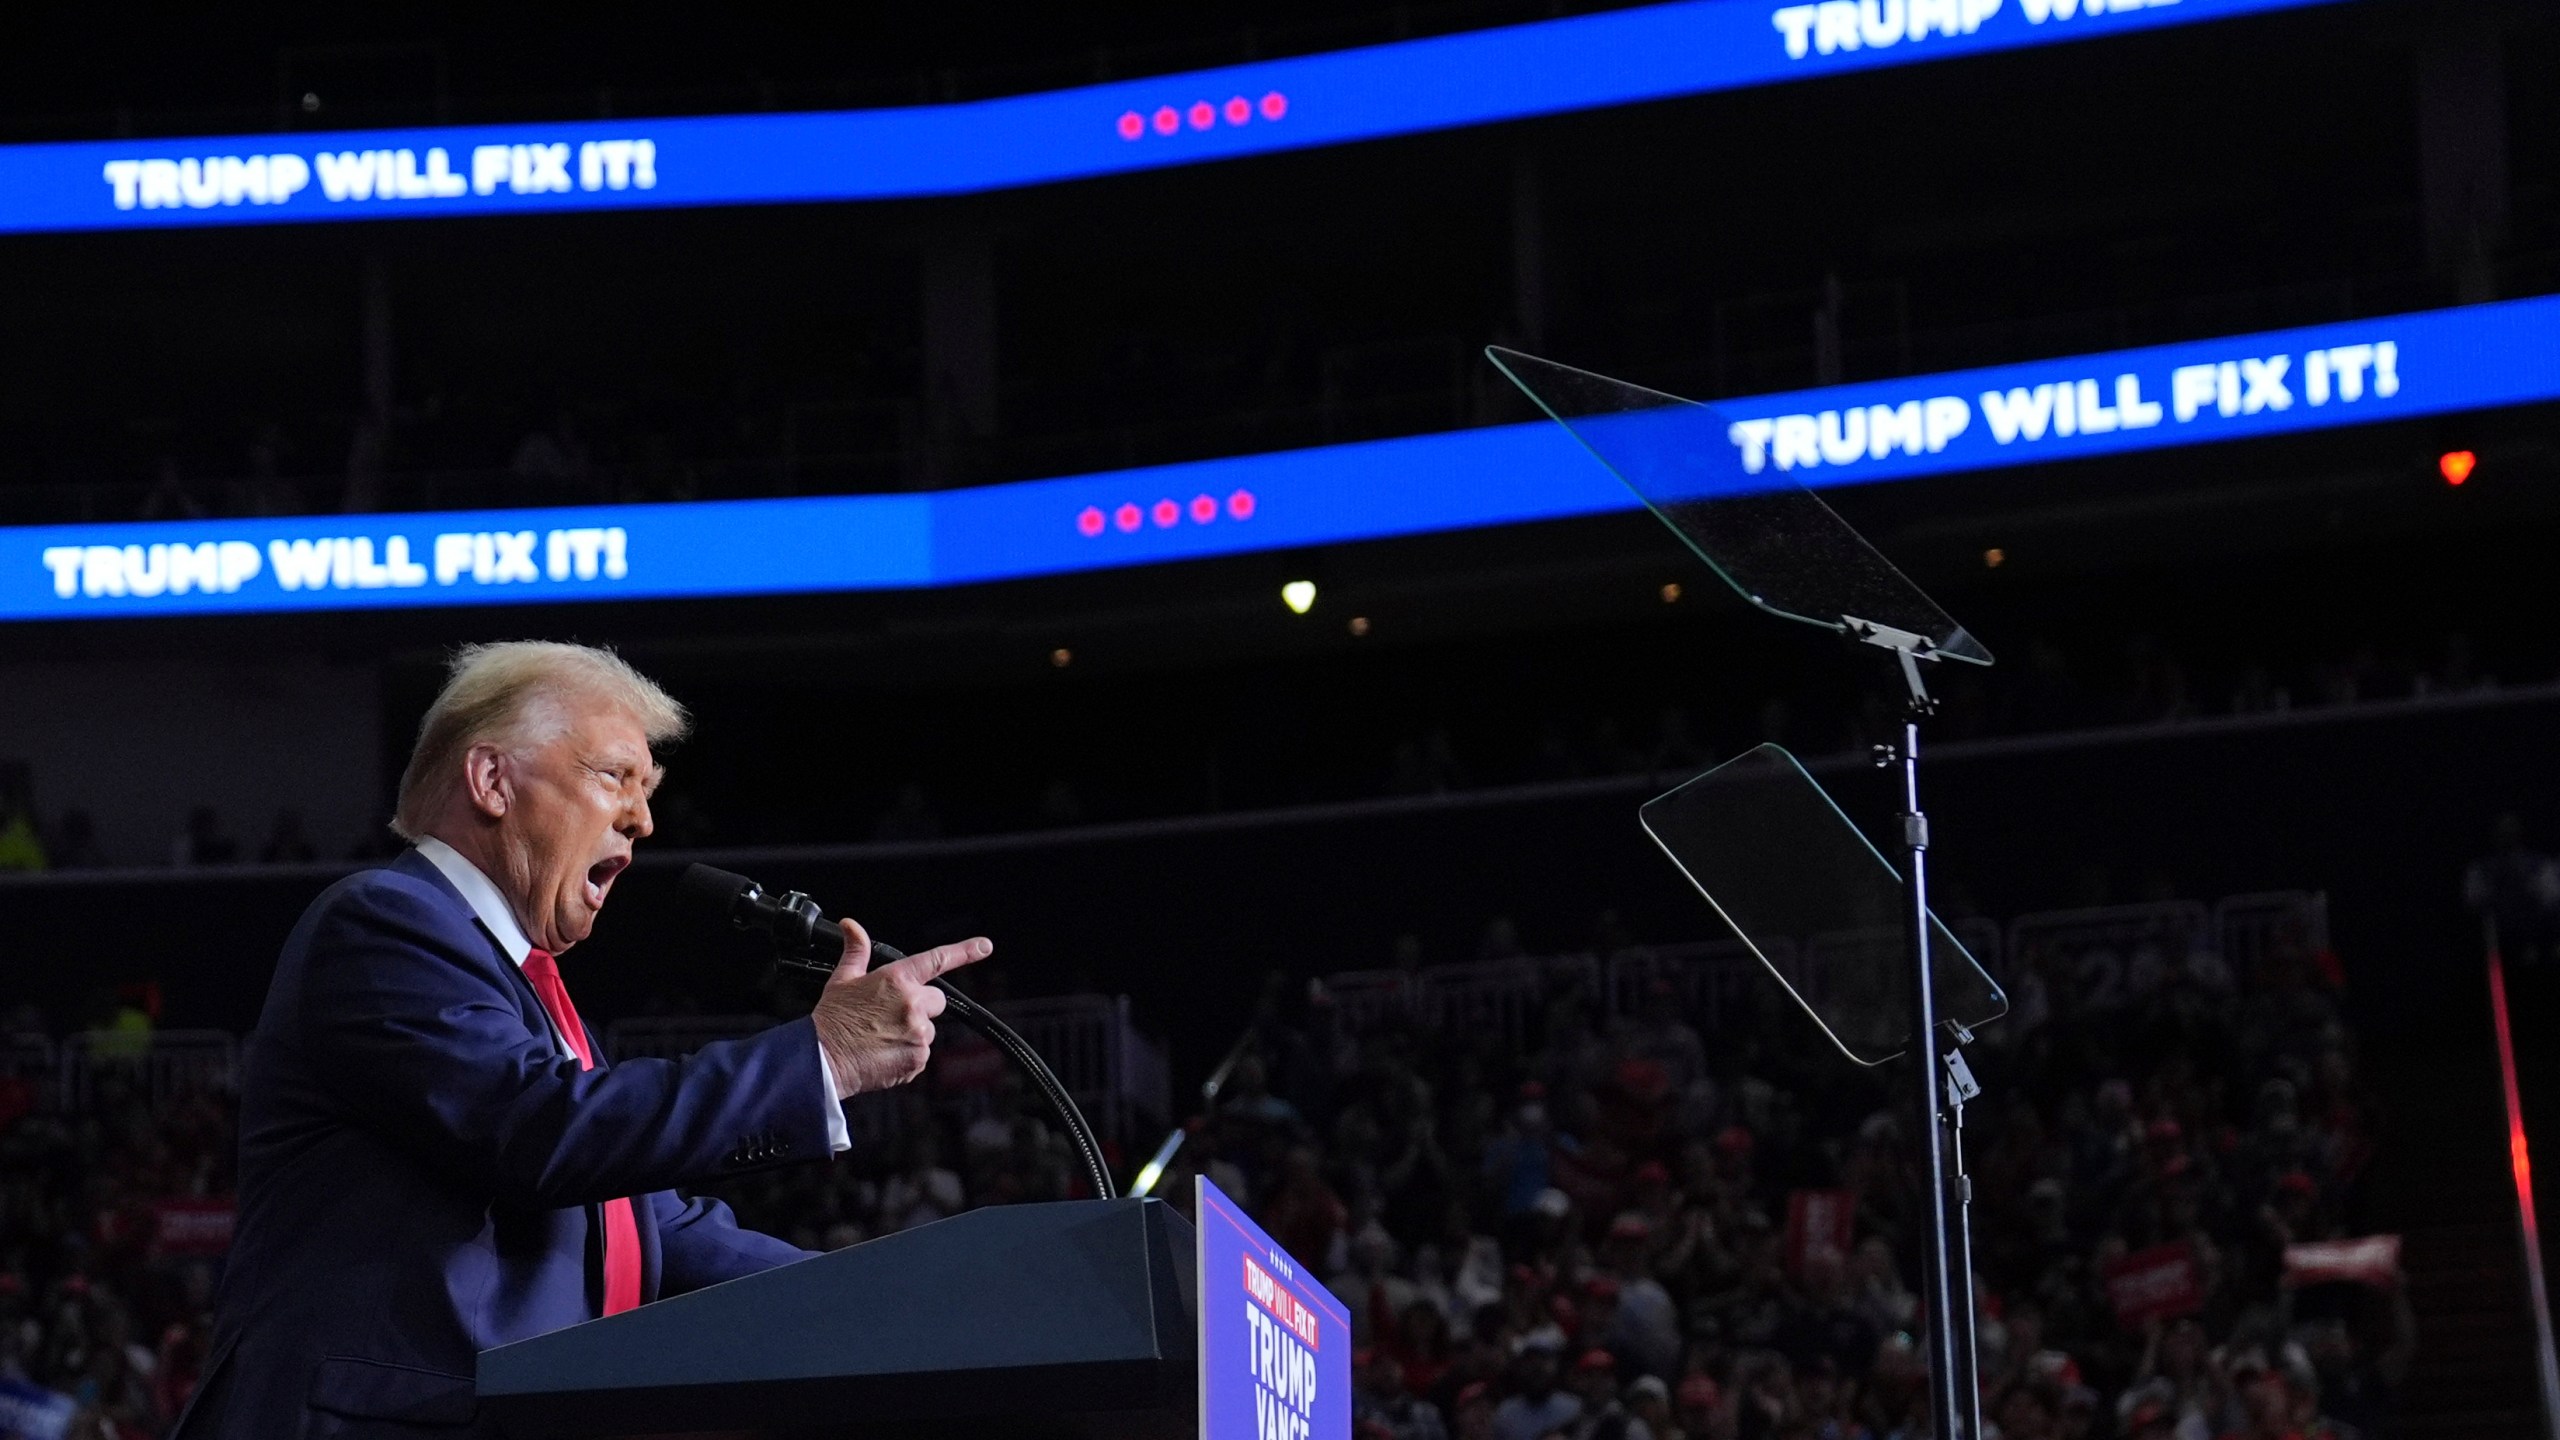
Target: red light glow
1168 120
2520 1164
1128 517
1167 514
1089 520
2456 466
1240 504
1132 125
2519 1157
1203 114
1204 508
1274 105
1239 110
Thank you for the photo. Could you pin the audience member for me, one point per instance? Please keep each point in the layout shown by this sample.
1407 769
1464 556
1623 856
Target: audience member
1618 1257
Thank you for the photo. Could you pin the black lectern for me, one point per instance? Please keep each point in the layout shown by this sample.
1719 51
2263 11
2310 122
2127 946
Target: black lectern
1073 1319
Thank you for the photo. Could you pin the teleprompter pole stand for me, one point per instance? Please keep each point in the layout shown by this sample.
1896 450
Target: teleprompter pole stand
1940 1079
1960 1088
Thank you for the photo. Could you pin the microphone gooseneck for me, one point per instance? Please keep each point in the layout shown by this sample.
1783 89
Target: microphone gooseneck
806 940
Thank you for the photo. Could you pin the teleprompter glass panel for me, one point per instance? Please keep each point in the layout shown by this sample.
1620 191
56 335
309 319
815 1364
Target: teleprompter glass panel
1775 542
1820 906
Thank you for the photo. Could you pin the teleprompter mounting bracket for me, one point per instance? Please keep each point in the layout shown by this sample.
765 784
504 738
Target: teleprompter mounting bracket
1908 647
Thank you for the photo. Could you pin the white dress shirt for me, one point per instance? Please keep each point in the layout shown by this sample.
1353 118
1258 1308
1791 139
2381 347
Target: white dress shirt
499 919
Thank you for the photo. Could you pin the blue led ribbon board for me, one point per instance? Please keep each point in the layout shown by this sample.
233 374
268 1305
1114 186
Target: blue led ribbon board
1477 78
2120 402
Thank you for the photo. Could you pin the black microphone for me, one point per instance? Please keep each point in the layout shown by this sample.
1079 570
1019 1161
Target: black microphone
800 934
808 940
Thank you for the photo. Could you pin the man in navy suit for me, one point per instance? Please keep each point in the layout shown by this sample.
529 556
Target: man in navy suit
434 1158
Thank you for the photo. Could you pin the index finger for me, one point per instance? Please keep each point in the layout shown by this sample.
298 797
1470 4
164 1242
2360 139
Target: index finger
943 959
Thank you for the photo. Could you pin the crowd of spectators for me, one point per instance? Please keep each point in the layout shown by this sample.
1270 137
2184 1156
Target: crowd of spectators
113 1218
1645 1225
1601 1228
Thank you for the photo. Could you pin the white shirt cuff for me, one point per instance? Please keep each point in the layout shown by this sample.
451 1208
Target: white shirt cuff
839 1138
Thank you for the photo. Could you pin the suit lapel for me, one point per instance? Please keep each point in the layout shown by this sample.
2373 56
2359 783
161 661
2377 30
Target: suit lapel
538 1020
528 1004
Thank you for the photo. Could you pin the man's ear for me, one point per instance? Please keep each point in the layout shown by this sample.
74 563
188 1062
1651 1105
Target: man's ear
488 780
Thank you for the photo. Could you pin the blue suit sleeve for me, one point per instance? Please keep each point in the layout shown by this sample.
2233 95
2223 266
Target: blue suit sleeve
700 1243
415 1026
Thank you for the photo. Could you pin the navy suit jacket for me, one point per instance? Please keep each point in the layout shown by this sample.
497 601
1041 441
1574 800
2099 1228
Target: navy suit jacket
421 1169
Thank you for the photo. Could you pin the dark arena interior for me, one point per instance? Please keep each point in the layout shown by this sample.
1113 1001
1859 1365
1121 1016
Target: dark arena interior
1054 456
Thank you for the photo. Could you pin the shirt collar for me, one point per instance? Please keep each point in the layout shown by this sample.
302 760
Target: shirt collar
481 895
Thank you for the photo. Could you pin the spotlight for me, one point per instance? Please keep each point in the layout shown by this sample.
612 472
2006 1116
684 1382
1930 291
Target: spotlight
1671 593
1994 558
1359 624
1149 1174
2456 466
1062 657
1299 596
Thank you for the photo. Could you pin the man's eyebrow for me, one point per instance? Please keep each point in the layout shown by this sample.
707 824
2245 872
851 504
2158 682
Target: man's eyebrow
657 776
621 760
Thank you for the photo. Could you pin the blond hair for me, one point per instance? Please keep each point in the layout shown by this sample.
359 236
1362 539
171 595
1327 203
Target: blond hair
512 693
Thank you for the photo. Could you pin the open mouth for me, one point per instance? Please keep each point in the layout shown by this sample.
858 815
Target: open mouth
600 878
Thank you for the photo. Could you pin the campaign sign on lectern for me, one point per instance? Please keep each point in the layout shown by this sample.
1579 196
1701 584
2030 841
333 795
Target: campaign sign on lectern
1275 1346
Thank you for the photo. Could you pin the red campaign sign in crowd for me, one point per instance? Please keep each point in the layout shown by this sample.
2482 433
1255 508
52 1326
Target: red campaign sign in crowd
2373 1260
1819 1222
2158 1283
192 1228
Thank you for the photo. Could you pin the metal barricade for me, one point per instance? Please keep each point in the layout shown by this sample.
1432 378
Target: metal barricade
2251 926
1855 970
163 1066
1504 996
1483 995
31 1069
1706 978
2098 960
1121 1079
1982 937
1368 999
1871 961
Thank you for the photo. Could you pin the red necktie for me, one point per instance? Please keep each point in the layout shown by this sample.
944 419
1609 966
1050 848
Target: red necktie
621 1228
